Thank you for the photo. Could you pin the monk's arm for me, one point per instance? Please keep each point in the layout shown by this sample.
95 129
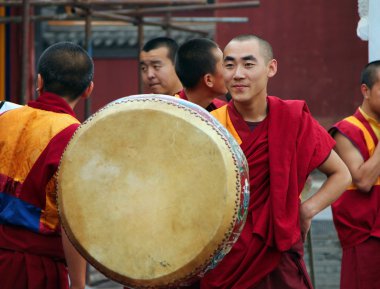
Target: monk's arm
364 173
75 263
338 179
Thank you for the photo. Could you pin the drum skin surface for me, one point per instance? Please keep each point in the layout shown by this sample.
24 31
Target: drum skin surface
152 191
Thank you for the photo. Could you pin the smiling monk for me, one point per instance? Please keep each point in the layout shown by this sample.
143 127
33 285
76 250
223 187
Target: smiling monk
283 144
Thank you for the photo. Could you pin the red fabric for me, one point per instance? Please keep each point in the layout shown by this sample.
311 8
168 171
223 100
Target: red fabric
290 273
250 259
298 144
352 132
182 95
22 270
361 266
15 43
52 102
18 239
30 260
216 103
355 134
356 214
281 152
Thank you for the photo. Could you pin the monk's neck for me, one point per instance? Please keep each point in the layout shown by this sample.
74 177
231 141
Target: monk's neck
254 111
199 97
367 109
177 88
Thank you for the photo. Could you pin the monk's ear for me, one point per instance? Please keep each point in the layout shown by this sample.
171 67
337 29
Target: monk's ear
40 84
88 91
208 79
272 68
365 91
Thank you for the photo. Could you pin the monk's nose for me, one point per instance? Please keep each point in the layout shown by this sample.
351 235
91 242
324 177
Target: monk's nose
239 72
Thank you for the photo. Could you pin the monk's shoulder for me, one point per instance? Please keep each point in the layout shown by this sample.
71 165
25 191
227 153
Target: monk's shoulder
294 107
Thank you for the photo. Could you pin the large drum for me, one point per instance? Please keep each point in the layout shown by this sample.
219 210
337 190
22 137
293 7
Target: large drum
153 191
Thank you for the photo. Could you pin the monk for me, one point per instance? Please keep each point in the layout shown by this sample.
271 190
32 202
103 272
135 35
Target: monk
283 144
34 251
357 212
199 66
157 66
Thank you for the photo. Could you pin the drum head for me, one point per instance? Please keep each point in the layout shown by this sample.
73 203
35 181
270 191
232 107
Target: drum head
148 191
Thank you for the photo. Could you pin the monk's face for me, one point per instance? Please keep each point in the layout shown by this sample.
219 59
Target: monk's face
219 86
246 71
158 73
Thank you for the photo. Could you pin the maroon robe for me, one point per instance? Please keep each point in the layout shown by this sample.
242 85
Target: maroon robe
31 253
281 153
356 214
361 265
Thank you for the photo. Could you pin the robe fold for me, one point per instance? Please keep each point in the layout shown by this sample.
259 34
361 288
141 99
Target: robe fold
281 152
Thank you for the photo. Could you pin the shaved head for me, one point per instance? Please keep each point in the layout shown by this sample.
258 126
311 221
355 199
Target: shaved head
265 47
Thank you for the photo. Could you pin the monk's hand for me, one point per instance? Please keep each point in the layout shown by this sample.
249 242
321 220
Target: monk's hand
305 220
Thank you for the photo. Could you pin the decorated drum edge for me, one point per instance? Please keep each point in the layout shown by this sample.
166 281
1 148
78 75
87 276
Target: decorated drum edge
242 184
230 236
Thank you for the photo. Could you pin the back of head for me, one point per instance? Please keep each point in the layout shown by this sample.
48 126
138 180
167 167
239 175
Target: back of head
159 42
66 69
369 75
194 59
265 47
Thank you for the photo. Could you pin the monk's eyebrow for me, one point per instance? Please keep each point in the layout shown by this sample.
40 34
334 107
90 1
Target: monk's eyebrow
229 58
249 57
244 58
152 62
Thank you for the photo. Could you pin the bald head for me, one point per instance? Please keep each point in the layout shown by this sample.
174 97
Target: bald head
265 47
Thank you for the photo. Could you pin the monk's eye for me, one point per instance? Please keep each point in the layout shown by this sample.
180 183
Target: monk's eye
228 65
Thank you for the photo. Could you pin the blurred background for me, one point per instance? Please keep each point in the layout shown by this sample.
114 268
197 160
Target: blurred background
319 54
